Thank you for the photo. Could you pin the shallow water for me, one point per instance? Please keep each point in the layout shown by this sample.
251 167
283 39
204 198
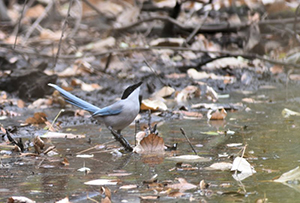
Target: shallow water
273 143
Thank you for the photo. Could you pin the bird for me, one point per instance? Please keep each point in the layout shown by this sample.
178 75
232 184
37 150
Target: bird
116 116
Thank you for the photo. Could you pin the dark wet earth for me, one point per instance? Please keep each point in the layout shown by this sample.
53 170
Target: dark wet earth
273 143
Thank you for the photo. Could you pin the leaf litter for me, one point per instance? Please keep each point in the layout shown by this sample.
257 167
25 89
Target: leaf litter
198 88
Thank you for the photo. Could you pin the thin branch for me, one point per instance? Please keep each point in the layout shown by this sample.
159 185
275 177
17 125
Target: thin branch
183 132
19 23
144 49
62 32
38 20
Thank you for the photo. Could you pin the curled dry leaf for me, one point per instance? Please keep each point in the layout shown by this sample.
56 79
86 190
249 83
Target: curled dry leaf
38 118
188 93
242 165
38 144
65 162
292 175
153 105
164 92
217 115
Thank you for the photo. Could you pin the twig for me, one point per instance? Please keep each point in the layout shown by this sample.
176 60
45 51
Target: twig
78 19
38 20
139 49
183 132
62 110
196 30
19 23
295 24
62 32
121 139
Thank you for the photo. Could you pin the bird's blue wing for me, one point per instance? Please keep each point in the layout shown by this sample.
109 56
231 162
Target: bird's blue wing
113 109
75 100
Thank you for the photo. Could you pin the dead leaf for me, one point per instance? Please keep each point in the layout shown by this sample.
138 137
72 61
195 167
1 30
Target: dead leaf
217 115
242 165
35 11
182 185
61 135
107 193
166 91
189 114
16 199
153 105
152 144
292 176
101 182
149 197
188 93
287 113
65 162
38 144
128 187
64 200
20 103
38 118
223 166
100 45
84 86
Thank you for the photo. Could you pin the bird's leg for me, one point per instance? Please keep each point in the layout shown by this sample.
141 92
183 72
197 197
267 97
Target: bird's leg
121 139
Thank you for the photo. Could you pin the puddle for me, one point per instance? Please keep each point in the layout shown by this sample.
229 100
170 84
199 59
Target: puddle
272 141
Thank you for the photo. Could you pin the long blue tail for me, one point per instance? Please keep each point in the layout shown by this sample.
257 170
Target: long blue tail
75 100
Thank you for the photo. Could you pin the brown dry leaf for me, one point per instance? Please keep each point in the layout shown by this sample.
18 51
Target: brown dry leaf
152 144
65 162
182 185
175 194
38 118
217 115
20 103
38 142
35 11
107 193
84 86
47 34
153 105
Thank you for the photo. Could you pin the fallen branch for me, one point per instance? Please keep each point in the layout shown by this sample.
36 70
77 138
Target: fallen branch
145 49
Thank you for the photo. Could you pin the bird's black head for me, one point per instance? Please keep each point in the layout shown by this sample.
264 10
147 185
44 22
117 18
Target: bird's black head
130 89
